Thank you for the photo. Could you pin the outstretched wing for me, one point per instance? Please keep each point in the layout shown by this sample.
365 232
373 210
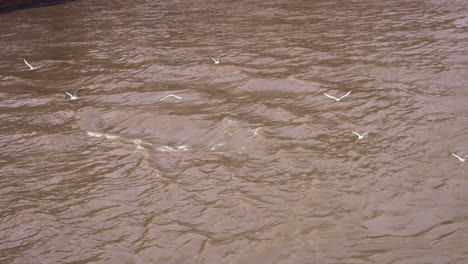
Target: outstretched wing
175 96
171 95
214 59
69 94
357 134
332 97
345 95
458 157
162 99
77 91
29 65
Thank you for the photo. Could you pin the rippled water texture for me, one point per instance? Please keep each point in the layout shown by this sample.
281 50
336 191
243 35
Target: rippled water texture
248 162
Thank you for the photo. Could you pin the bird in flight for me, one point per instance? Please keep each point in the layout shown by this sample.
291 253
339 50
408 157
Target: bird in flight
74 96
171 95
30 66
337 99
216 61
360 136
460 158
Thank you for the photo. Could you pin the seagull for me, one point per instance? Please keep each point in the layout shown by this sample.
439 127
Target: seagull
460 158
360 136
216 61
171 95
74 96
337 99
31 67
255 132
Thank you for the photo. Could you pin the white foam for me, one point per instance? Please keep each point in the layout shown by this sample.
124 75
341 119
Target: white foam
215 147
183 147
98 135
178 148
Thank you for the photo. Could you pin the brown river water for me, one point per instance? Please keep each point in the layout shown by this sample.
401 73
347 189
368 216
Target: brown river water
248 161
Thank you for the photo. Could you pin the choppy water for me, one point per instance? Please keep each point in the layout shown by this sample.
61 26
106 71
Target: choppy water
254 164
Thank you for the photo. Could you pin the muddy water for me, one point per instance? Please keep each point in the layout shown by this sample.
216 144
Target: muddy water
248 162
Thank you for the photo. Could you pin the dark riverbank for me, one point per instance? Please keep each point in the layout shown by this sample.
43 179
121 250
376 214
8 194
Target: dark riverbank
13 5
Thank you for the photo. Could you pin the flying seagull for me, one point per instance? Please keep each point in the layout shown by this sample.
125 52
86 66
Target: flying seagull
30 66
360 136
337 99
171 95
216 61
74 96
460 158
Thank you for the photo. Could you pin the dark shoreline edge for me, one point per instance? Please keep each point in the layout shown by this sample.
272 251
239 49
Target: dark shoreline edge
7 6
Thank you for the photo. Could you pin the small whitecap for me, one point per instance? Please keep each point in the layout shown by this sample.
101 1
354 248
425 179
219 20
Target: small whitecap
166 148
93 134
183 147
215 147
138 142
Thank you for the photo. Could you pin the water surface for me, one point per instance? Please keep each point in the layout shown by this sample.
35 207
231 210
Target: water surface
254 164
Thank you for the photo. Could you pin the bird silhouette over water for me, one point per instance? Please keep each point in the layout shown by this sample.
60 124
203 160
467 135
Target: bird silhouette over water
74 96
360 136
217 60
30 66
171 95
337 99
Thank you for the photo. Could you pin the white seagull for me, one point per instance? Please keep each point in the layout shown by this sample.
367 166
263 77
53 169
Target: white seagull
360 136
32 67
337 99
171 95
460 158
74 96
216 61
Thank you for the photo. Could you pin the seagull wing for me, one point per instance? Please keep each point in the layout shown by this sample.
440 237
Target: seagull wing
356 133
332 97
77 91
345 95
29 65
458 157
69 94
162 99
365 133
171 95
178 97
214 59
